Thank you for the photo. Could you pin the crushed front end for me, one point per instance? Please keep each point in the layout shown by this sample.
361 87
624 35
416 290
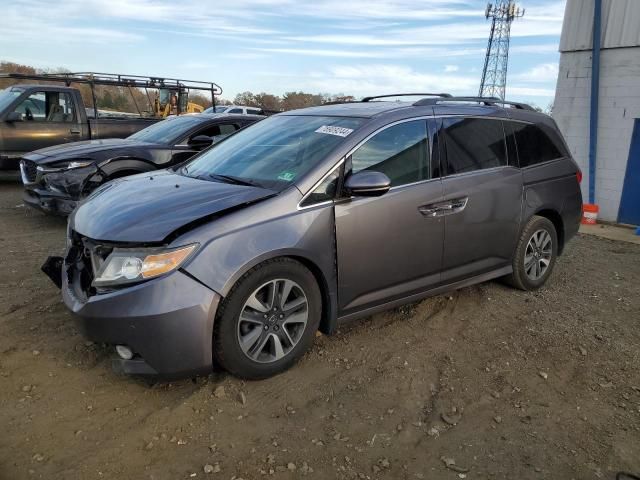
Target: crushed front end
57 189
164 325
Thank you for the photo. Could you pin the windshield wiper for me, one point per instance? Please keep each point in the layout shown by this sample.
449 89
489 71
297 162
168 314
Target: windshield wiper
234 180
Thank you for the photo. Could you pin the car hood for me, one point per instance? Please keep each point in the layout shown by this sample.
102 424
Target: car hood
85 149
148 207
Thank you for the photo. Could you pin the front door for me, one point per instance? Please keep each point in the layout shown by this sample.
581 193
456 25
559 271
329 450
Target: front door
48 118
483 195
390 246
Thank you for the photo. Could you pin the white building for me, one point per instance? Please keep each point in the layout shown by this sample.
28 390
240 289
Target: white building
617 156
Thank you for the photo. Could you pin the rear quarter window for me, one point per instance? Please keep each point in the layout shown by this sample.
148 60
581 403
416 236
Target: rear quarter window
473 144
536 143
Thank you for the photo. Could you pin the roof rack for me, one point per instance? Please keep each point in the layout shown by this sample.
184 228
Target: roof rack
118 80
484 100
441 95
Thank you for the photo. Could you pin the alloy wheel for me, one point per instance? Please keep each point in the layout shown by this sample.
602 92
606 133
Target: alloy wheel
538 254
273 320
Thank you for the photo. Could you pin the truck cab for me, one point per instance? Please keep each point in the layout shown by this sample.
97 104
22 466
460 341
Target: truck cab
38 116
33 117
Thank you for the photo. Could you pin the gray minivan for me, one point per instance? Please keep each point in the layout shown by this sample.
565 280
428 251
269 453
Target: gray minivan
311 218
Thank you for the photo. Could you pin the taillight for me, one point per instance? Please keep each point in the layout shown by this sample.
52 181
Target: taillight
579 176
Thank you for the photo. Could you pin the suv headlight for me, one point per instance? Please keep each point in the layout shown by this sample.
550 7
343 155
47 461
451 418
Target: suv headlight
124 266
78 164
66 165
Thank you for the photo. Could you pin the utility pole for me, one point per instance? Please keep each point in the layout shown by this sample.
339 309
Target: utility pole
494 74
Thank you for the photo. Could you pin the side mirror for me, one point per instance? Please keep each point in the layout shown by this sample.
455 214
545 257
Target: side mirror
200 142
14 117
368 183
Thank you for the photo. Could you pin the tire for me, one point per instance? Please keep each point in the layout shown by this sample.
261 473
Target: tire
247 328
529 271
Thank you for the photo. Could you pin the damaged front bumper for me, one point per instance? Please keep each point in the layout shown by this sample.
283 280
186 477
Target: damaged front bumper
55 191
49 202
167 322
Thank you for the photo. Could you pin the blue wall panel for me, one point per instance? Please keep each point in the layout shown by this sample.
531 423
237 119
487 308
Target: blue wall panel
630 202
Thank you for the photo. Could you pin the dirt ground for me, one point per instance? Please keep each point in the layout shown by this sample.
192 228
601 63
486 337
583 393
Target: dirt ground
506 384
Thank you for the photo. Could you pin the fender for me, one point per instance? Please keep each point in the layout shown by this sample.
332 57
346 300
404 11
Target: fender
306 236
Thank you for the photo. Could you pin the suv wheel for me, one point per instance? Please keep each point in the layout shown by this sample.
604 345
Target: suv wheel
268 320
535 254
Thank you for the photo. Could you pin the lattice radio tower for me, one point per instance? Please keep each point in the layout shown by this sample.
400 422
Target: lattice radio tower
494 74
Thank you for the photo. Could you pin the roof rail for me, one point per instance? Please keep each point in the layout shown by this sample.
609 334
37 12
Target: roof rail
484 100
442 95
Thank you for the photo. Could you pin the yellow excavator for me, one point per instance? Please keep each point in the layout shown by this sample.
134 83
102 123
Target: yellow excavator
174 101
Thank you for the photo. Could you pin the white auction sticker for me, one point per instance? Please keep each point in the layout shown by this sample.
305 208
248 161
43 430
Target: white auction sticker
339 131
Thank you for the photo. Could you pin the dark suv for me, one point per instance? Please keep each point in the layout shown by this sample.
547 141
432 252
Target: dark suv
311 218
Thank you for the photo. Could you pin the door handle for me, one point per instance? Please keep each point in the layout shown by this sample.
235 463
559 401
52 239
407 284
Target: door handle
428 211
458 205
75 131
444 208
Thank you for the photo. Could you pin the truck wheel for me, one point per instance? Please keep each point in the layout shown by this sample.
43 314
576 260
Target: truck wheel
535 254
268 320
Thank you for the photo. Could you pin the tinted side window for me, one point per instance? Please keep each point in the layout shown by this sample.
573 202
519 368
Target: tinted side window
325 191
536 143
473 144
400 152
253 111
218 130
235 110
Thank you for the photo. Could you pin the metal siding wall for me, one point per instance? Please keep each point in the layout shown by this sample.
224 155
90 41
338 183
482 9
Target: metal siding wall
619 107
620 24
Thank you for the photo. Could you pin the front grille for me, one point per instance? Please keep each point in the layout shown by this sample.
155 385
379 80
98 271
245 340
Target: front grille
30 170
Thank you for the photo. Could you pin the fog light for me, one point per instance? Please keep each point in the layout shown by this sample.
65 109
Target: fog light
124 352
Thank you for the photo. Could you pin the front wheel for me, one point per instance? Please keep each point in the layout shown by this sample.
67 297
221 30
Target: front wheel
535 254
268 320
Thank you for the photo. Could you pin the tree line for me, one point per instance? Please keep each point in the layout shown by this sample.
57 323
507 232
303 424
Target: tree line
288 101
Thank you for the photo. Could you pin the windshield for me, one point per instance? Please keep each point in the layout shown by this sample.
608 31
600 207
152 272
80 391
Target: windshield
275 152
167 131
8 95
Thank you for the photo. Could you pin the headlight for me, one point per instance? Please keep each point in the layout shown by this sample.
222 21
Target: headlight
124 266
73 165
59 167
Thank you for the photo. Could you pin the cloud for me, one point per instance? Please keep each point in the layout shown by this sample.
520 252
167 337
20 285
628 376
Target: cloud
322 52
522 91
361 80
544 72
439 34
451 68
390 9
543 48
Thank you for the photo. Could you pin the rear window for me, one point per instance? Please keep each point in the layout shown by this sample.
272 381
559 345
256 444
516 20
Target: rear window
473 144
536 143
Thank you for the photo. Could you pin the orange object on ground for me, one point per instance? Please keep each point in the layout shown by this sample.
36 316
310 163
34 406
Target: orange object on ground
589 213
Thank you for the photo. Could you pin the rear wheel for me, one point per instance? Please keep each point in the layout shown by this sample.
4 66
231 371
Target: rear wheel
268 320
535 255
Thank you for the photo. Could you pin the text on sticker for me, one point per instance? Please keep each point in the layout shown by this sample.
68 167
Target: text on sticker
339 131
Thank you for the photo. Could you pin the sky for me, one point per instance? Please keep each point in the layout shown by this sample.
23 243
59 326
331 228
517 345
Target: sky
353 47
